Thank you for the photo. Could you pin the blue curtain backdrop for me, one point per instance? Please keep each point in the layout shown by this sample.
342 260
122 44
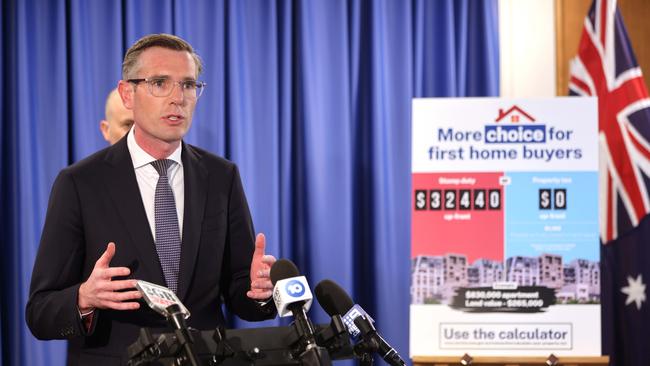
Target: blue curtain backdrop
311 98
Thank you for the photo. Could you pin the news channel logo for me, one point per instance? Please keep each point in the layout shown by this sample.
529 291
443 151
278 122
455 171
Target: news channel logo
348 319
295 288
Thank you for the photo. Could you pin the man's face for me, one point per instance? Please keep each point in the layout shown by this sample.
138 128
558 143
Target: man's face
160 121
118 119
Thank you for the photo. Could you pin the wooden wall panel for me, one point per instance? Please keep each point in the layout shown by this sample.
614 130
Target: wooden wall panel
569 20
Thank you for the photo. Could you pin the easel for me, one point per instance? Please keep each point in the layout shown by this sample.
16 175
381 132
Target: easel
551 360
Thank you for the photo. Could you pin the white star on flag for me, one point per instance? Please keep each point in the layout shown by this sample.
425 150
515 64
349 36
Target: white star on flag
635 291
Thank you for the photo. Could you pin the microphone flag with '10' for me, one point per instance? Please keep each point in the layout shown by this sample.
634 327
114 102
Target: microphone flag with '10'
289 287
292 296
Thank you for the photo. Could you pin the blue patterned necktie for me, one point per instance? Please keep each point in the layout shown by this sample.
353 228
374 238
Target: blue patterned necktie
168 238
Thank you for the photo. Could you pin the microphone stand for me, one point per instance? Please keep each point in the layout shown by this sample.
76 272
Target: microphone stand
223 349
368 345
183 336
375 342
365 349
336 339
309 353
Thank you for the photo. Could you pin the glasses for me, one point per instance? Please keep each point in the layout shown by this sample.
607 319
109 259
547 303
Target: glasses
162 87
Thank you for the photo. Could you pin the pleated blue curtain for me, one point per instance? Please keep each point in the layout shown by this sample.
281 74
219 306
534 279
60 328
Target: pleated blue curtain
310 98
34 147
456 52
3 304
94 56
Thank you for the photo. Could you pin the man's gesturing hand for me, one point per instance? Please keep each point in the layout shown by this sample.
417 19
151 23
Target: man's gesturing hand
261 285
101 292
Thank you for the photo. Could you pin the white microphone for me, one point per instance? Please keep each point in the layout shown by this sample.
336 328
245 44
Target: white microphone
292 296
290 291
159 298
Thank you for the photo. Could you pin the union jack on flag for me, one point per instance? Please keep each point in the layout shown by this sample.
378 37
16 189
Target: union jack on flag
606 67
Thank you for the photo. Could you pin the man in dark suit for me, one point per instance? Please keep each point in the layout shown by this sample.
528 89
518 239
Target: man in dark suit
148 208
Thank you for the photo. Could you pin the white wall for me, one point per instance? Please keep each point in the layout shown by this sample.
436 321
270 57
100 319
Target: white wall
527 42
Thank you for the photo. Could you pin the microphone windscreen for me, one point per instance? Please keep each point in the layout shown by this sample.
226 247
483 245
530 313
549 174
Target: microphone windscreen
282 269
332 298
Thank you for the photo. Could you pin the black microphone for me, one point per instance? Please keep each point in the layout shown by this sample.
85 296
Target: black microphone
291 295
335 301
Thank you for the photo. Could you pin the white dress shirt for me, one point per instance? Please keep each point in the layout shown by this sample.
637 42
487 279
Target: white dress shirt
147 178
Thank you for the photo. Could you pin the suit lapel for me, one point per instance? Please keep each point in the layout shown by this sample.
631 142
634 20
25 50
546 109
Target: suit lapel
123 189
195 181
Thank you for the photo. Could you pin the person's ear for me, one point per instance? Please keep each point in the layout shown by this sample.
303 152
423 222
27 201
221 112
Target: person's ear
103 126
126 93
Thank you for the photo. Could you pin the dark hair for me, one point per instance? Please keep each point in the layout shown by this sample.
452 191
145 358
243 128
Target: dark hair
169 41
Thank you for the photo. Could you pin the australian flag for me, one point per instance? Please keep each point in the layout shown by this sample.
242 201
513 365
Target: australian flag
606 67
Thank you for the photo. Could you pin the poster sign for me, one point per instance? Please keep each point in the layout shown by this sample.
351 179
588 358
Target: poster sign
505 246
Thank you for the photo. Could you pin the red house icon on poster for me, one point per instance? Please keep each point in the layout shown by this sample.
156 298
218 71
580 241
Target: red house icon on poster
515 114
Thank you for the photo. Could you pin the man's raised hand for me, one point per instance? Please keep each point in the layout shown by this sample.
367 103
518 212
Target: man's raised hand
261 285
100 291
